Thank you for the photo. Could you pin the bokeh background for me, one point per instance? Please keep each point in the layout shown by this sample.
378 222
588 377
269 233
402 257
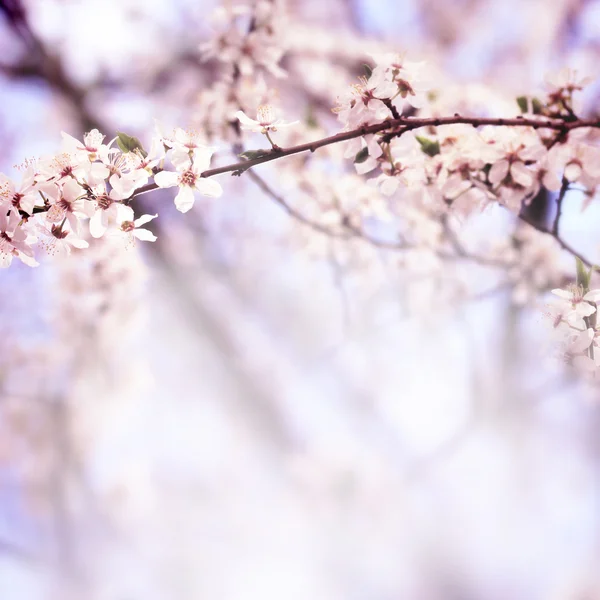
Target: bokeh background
225 414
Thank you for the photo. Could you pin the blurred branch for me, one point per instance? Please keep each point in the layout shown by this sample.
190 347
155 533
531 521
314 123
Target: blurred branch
40 63
564 245
14 551
559 201
255 399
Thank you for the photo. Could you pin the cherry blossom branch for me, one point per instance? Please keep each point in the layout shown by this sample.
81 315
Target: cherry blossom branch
398 127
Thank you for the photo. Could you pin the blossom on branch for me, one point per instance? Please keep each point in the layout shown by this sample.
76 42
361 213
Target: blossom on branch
13 240
130 228
266 120
188 178
581 304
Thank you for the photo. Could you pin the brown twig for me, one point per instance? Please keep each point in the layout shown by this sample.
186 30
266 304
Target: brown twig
564 245
559 201
396 127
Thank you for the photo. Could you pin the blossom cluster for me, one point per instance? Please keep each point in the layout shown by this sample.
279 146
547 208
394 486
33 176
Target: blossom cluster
574 319
460 165
248 39
86 190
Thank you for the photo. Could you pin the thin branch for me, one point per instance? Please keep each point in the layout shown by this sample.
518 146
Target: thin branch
462 252
269 191
14 551
559 201
397 127
351 231
562 243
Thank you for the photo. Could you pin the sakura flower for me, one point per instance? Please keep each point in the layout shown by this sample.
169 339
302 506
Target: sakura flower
125 185
59 239
186 145
579 161
247 51
132 170
13 240
561 86
26 197
579 341
368 144
92 147
547 175
188 178
363 105
71 203
64 165
401 163
266 120
581 305
513 151
130 228
566 79
557 313
408 80
460 166
105 213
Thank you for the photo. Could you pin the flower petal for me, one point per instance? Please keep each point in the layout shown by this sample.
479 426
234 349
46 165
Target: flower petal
166 179
98 224
563 294
209 187
246 121
184 199
573 171
77 242
592 296
582 341
144 234
144 219
585 310
521 174
498 172
202 156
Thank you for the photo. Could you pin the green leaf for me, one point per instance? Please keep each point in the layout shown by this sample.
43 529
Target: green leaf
311 118
361 155
368 71
583 275
428 146
128 143
537 106
533 105
254 154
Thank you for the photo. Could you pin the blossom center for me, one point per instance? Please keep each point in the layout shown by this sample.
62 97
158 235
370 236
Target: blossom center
16 201
58 232
104 202
127 226
188 178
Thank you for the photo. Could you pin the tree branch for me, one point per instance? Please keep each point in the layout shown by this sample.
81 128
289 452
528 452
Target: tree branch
562 243
397 127
561 196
